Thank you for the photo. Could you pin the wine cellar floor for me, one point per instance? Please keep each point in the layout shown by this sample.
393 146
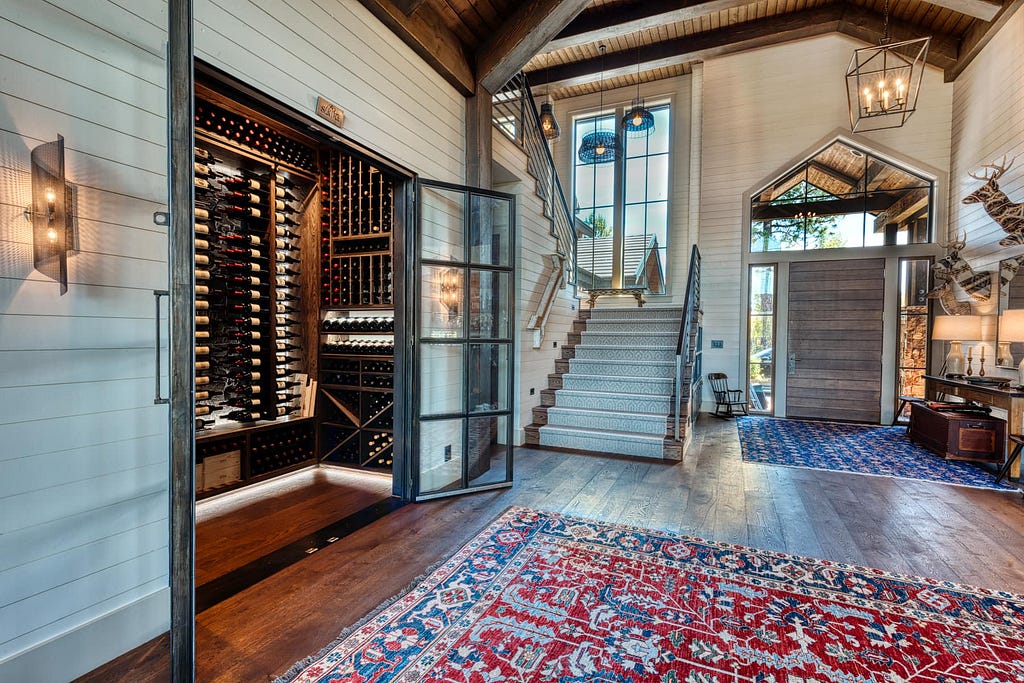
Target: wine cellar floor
244 526
974 537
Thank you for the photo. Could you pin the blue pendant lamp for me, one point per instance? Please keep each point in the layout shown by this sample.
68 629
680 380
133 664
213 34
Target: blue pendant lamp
601 146
638 121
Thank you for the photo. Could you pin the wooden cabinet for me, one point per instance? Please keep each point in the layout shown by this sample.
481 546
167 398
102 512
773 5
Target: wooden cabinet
957 436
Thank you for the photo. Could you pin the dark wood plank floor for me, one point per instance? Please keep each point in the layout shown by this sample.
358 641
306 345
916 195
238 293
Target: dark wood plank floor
953 533
233 530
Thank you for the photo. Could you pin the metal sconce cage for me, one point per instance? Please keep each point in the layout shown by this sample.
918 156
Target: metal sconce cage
883 83
49 213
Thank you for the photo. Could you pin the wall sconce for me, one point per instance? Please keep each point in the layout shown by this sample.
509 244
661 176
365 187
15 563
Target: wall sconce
449 290
51 236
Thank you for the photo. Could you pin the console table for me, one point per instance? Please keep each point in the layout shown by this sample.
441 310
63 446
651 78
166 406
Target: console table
636 292
1010 400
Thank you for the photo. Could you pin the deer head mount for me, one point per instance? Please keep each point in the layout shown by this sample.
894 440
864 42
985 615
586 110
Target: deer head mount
953 268
1009 215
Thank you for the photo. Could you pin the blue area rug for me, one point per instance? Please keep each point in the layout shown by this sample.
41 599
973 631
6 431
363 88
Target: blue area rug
865 449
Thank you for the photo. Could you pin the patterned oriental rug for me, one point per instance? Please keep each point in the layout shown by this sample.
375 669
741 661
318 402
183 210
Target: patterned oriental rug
540 597
864 449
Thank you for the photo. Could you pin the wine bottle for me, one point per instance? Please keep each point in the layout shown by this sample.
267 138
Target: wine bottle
201 213
243 403
202 395
205 156
202 260
240 237
243 416
245 211
202 410
245 183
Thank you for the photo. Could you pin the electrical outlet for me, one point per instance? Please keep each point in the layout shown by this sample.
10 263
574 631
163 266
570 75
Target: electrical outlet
532 391
448 453
554 345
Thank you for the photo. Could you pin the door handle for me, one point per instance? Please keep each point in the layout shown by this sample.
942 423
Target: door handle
793 360
157 398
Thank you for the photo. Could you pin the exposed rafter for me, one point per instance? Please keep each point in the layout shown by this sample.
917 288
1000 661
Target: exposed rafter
426 33
523 35
407 6
596 25
850 20
978 36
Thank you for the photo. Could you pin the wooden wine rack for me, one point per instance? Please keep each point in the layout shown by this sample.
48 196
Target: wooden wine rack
356 403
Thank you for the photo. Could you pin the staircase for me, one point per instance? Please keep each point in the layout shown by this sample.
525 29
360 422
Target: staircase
612 391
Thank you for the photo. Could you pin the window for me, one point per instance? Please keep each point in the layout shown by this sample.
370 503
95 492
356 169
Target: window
912 354
761 338
841 197
621 207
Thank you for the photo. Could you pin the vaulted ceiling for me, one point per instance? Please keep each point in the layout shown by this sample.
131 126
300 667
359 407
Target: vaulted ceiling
483 43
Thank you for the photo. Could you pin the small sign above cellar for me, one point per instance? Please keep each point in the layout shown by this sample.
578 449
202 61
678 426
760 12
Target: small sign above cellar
330 112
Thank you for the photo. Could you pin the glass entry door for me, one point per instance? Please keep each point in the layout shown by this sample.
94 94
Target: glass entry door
463 360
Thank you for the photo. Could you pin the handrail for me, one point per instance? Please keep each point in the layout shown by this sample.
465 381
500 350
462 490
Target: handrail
517 117
684 350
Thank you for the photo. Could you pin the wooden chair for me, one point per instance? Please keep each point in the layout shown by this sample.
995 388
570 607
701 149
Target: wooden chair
724 396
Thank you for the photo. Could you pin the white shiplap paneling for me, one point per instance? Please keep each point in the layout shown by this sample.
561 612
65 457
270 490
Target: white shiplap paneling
83 505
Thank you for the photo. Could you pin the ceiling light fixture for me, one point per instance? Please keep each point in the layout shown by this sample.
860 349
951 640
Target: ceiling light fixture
601 146
638 121
883 82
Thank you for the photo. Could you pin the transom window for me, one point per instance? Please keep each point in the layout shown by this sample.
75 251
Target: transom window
841 197
621 206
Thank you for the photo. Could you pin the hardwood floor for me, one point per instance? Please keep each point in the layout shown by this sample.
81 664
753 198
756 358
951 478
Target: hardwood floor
947 532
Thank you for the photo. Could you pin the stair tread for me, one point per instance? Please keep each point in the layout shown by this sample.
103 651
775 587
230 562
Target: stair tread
616 394
613 378
611 433
603 411
616 361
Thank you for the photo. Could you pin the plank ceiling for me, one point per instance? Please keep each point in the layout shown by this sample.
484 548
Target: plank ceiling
668 36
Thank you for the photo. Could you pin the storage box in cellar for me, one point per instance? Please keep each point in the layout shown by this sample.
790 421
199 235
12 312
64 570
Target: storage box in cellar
357 341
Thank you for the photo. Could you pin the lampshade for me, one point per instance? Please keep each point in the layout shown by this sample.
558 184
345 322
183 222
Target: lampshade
638 121
1011 326
548 123
956 327
883 82
599 147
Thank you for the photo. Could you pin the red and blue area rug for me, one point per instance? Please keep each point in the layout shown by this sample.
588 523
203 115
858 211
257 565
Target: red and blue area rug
864 449
542 597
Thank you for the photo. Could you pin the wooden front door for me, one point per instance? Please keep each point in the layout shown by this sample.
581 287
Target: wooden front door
834 367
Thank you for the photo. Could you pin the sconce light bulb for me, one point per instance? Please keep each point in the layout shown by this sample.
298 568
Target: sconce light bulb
51 234
51 196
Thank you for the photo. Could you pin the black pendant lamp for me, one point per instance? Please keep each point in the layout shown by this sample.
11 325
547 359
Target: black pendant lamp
638 121
548 123
601 146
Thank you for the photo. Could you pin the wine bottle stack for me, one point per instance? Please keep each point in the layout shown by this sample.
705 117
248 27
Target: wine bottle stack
356 234
280 448
242 131
287 262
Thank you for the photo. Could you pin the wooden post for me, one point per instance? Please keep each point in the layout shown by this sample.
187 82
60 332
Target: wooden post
479 148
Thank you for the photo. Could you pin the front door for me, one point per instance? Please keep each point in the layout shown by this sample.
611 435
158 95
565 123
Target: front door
463 353
834 365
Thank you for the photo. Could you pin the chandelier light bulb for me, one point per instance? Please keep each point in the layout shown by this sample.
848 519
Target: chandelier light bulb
600 150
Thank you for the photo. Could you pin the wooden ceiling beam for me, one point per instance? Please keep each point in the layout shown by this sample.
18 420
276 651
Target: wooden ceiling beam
595 26
408 6
839 17
523 35
977 38
979 9
429 37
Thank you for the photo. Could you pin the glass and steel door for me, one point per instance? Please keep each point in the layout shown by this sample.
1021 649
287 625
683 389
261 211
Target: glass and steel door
463 354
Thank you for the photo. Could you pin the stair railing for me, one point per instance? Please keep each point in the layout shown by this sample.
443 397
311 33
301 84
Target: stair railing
515 114
688 353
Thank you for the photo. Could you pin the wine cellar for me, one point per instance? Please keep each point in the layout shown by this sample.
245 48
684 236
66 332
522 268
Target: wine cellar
295 304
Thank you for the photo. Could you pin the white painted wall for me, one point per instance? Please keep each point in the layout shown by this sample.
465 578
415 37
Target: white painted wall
764 110
535 244
681 219
83 471
83 468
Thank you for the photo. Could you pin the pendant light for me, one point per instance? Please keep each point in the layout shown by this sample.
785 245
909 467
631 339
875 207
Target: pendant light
883 82
601 146
548 123
638 121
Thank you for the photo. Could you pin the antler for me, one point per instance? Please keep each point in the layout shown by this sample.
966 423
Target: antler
957 244
997 170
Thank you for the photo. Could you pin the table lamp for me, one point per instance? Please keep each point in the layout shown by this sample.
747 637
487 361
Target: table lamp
1011 329
955 329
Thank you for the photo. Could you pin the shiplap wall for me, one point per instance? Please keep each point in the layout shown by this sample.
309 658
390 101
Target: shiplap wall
535 243
762 110
988 122
83 467
294 50
83 474
681 219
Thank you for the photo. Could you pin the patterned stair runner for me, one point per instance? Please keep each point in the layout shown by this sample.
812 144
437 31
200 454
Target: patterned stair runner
617 394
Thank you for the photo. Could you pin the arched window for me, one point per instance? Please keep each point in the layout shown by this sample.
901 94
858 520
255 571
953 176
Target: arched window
842 197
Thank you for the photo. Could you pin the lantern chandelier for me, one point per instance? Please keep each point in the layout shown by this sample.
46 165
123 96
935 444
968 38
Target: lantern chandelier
601 146
548 124
883 81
